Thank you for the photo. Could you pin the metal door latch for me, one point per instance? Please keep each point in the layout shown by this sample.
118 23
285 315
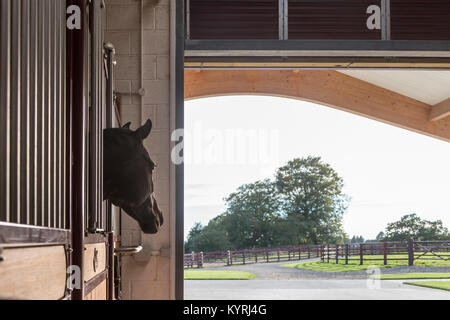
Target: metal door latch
127 250
95 260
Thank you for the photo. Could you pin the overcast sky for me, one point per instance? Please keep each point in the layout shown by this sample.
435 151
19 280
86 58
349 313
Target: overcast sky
388 172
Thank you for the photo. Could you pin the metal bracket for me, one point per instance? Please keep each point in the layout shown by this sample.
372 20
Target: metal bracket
95 259
68 251
1 257
127 250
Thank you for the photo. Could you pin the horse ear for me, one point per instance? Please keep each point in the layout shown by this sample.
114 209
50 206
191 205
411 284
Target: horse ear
144 131
127 126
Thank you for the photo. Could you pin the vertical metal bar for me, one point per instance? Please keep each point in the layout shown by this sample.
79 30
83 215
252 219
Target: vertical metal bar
87 88
40 117
286 20
93 121
188 19
99 133
100 74
179 169
280 19
5 70
109 103
33 108
52 114
388 19
46 108
385 20
58 111
15 113
77 113
24 114
65 148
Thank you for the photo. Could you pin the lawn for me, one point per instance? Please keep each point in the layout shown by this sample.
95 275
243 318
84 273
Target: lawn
443 285
403 276
354 265
217 275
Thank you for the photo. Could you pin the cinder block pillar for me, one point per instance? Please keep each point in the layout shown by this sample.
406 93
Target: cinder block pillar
145 69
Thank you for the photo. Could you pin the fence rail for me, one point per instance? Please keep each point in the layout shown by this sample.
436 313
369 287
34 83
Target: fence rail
337 253
387 251
251 256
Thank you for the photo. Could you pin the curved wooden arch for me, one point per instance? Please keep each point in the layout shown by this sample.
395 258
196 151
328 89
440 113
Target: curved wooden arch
329 88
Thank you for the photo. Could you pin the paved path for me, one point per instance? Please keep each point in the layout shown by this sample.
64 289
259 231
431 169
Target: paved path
274 271
277 283
307 290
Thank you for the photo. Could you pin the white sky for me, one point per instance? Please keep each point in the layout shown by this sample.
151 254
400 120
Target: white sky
388 172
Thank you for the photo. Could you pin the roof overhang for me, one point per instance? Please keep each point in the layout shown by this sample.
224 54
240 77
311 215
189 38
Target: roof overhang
317 54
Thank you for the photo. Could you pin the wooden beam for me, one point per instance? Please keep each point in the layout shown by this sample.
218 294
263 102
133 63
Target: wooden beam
329 88
440 111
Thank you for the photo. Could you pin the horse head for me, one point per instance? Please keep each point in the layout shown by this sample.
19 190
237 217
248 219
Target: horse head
127 175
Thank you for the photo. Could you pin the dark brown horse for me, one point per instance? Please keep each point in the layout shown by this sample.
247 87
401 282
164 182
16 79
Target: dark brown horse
127 175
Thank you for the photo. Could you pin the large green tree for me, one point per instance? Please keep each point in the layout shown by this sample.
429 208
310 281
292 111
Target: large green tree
208 238
303 205
252 214
412 226
312 200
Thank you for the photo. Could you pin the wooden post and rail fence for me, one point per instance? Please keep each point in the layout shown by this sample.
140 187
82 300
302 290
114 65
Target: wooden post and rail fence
409 251
361 253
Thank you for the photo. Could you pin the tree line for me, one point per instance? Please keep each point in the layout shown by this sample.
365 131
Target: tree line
303 204
410 226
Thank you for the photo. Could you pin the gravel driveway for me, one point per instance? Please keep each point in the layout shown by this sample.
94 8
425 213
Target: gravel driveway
274 271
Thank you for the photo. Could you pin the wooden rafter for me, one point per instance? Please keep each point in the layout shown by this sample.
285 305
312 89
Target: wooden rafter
440 111
329 88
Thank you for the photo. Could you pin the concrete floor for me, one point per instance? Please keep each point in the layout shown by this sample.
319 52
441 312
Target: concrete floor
308 290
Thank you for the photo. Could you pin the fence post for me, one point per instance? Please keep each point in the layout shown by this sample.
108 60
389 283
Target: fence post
289 255
192 258
309 252
267 256
328 253
201 259
228 257
411 252
256 256
346 253
361 259
278 253
243 256
385 252
322 253
299 253
337 254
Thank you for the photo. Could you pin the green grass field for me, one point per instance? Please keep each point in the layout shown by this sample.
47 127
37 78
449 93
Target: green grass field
403 276
442 285
354 265
217 275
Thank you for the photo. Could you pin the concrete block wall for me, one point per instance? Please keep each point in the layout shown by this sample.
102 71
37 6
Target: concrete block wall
148 274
